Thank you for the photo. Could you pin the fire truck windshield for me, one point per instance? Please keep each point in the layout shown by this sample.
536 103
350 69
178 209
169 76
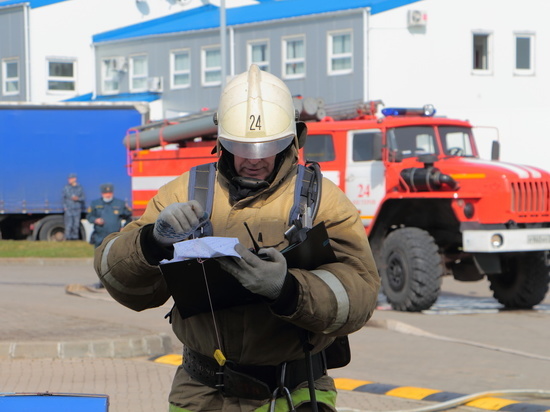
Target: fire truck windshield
456 141
414 141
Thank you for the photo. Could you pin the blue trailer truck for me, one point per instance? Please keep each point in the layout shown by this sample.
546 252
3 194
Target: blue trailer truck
40 144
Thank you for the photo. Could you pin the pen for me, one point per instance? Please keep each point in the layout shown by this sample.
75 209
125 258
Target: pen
256 246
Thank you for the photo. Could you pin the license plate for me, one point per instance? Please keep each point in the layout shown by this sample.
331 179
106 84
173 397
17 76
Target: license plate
537 239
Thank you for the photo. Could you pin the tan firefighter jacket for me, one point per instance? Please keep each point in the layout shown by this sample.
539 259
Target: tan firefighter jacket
335 299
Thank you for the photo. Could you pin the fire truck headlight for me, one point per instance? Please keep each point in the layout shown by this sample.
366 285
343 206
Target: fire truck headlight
496 240
469 210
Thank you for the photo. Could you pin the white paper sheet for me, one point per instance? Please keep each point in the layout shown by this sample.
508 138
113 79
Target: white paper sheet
205 247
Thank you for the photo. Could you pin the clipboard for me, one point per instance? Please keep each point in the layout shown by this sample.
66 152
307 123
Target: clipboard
191 289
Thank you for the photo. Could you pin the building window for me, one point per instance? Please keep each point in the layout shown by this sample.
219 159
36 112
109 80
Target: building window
482 52
138 73
340 56
525 59
258 53
294 57
61 76
180 63
10 82
211 62
110 69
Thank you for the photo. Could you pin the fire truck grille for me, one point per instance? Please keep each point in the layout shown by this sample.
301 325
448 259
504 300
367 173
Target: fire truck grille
530 197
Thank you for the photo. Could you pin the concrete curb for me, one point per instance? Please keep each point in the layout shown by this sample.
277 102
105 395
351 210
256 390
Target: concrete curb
152 345
38 261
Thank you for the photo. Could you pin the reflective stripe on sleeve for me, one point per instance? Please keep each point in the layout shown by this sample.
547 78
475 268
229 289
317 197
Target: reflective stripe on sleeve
105 255
342 298
107 277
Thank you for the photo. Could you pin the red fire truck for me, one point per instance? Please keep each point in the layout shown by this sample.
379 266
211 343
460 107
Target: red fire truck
430 205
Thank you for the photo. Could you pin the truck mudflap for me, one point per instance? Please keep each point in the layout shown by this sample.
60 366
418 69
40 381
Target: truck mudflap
506 240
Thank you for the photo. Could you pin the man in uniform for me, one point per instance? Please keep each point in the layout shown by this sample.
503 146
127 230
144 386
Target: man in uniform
73 206
231 353
107 214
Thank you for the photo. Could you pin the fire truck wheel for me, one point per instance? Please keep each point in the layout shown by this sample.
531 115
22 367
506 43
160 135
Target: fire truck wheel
523 282
412 270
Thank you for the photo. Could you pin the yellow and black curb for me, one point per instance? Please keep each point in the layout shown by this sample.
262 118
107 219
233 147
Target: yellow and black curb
431 395
410 392
170 359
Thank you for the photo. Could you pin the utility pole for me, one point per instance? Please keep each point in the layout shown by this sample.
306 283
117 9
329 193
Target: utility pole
223 41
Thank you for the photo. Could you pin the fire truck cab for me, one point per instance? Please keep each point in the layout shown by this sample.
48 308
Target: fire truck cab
430 205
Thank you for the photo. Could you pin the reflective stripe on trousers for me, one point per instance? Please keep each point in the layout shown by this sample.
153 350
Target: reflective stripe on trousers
299 397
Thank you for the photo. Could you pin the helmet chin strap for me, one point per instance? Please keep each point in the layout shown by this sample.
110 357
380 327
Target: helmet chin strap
250 183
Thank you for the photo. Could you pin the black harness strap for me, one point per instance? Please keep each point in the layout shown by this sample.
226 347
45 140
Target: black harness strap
309 192
202 179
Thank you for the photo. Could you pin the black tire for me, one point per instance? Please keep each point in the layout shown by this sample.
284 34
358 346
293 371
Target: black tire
523 282
411 271
52 229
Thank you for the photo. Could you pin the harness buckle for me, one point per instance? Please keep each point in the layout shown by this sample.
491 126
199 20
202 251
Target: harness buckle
282 388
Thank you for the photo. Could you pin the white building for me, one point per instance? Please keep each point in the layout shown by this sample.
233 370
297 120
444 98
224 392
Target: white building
46 50
482 60
487 61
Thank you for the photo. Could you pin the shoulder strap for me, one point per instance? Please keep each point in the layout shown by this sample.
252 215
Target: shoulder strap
201 185
307 194
202 180
300 201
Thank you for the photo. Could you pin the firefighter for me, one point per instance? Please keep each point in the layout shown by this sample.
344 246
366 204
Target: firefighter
107 214
73 206
250 357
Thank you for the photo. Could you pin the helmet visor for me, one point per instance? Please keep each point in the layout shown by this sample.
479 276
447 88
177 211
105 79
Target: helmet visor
256 150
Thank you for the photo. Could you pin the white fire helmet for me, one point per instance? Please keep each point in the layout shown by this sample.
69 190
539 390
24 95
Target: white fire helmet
256 116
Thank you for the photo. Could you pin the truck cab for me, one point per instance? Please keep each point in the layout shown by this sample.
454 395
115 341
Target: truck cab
432 207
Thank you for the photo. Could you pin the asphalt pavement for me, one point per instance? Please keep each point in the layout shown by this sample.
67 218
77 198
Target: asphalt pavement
60 336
